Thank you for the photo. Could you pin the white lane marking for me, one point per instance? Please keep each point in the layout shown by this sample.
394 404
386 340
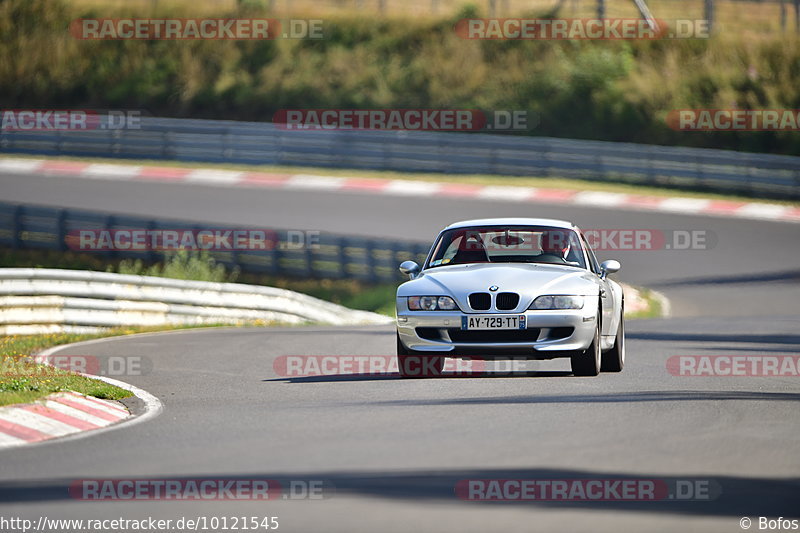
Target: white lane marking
36 421
683 205
600 198
310 181
759 210
8 440
213 176
509 194
113 411
76 413
98 170
96 401
411 188
20 165
152 408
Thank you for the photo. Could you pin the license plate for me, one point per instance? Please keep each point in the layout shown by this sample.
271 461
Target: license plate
477 322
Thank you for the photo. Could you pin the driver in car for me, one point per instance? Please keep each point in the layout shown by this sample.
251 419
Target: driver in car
556 247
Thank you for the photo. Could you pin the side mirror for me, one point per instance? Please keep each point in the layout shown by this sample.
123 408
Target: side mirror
409 268
609 267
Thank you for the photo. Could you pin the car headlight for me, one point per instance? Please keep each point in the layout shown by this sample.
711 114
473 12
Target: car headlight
431 303
557 302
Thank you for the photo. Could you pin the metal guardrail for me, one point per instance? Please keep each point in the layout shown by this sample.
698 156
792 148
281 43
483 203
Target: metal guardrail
39 299
332 257
455 153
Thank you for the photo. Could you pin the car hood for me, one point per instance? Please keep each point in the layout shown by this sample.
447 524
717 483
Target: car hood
529 280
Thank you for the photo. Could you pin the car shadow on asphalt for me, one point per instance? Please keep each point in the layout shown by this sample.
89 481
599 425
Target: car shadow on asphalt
388 376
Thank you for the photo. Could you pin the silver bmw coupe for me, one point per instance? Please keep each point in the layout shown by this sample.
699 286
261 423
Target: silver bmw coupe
510 287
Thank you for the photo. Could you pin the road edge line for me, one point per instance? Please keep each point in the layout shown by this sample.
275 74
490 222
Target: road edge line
152 405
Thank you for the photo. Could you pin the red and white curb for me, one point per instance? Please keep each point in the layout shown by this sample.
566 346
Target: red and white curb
69 415
407 188
57 415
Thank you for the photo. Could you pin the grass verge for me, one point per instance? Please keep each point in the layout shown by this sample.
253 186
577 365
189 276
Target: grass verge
23 381
653 306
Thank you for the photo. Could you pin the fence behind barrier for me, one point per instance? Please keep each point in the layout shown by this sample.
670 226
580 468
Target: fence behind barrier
219 141
330 256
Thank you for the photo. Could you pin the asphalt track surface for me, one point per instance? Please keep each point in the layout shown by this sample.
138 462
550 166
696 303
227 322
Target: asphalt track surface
395 449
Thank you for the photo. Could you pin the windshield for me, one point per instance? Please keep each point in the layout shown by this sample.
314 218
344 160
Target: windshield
508 244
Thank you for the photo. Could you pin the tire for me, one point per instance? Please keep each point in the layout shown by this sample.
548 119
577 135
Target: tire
614 359
587 362
411 364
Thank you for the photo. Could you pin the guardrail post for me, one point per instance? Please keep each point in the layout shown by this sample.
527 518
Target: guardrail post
651 171
61 229
109 223
309 257
546 158
150 254
397 249
369 257
114 145
166 146
699 176
341 243
276 253
227 151
18 214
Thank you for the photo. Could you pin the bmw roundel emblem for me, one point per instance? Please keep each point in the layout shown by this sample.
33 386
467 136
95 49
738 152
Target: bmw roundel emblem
493 288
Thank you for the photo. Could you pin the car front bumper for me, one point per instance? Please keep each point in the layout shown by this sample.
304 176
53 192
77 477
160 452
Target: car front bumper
547 334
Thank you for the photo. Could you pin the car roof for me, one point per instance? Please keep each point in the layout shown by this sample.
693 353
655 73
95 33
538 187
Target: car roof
563 224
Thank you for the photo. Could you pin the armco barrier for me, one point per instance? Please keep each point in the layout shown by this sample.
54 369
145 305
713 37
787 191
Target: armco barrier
331 257
38 300
457 153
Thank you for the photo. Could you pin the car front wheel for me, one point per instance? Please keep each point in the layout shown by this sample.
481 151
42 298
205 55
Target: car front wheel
587 362
411 364
614 359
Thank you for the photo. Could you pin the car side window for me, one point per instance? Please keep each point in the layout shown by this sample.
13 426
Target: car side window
593 264
450 250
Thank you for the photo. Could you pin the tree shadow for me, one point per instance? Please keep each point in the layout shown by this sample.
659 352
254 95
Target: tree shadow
717 338
786 276
727 495
617 397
